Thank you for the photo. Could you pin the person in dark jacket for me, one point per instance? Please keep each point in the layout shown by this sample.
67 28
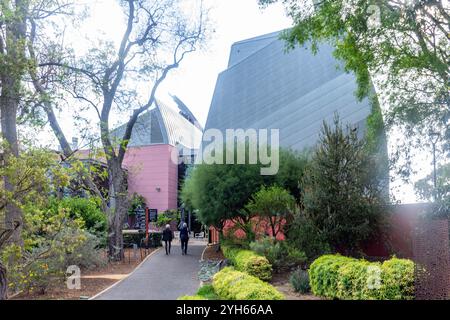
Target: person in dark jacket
184 238
167 237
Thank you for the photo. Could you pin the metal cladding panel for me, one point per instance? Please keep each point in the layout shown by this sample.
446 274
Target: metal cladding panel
294 92
243 49
162 125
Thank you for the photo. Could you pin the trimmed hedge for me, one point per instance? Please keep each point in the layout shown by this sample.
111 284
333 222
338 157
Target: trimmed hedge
338 277
196 297
230 284
249 261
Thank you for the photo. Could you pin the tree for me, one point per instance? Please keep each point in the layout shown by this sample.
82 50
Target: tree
291 171
401 46
220 193
156 40
439 196
33 175
343 196
274 204
13 63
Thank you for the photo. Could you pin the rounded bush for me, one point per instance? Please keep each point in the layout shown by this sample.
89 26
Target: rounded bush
338 277
230 284
250 262
196 297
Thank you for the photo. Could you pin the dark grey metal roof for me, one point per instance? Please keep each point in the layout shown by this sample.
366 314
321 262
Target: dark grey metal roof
267 88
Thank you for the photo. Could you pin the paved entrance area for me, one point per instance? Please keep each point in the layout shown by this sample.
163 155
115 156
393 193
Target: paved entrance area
161 277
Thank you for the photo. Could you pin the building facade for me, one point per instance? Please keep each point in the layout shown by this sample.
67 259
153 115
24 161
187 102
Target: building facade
265 87
160 138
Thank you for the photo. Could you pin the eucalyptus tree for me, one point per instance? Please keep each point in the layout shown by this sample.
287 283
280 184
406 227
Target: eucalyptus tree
13 63
116 79
16 99
403 47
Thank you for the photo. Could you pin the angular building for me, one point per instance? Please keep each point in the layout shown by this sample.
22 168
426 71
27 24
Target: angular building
154 151
266 87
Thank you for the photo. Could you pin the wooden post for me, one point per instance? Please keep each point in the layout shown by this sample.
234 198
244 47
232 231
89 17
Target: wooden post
146 225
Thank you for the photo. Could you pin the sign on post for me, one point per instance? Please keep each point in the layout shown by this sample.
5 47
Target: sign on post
153 215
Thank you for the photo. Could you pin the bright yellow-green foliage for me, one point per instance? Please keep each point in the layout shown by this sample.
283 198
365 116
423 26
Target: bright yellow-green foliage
230 284
249 261
338 277
196 297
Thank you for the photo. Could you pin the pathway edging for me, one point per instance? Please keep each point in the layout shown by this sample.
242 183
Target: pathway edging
128 275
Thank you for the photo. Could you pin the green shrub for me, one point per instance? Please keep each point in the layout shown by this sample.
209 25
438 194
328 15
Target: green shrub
207 292
338 277
304 235
250 262
397 279
87 209
299 280
196 297
230 284
281 254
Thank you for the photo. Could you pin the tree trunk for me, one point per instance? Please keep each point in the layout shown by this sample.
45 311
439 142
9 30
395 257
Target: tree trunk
9 101
118 203
3 283
13 51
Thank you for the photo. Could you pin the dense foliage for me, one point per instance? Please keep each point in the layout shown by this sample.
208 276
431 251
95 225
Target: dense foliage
401 46
273 204
299 280
221 192
88 209
230 284
439 195
335 276
343 195
249 262
282 255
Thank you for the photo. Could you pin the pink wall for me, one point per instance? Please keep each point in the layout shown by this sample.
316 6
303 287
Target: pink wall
149 168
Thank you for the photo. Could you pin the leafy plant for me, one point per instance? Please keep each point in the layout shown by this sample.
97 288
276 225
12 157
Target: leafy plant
343 194
87 209
274 204
335 276
302 233
207 291
281 254
249 261
230 284
137 201
299 280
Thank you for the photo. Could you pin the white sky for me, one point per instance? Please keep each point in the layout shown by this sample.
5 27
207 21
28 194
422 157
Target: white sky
194 81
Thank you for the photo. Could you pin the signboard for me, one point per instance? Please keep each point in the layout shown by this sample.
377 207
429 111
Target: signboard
140 218
152 215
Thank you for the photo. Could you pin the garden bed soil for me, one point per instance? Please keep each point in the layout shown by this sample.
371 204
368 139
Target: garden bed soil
92 281
212 254
281 282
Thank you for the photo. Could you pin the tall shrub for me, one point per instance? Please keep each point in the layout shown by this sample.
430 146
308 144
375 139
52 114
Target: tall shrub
343 194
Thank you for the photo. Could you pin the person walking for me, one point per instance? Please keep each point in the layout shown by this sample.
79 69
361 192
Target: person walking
184 238
167 237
